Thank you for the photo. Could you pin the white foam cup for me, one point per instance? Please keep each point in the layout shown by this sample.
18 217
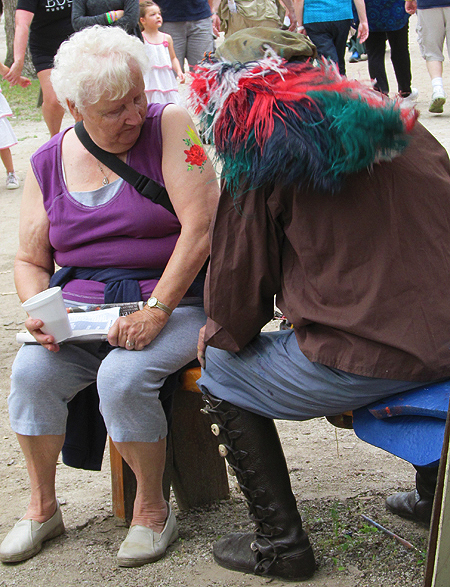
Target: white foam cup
48 306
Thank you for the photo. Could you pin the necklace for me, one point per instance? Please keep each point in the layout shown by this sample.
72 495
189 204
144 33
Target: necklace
105 180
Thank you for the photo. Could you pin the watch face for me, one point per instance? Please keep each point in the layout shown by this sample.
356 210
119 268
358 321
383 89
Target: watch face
152 302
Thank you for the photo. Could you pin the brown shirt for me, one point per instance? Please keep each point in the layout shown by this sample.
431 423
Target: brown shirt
363 274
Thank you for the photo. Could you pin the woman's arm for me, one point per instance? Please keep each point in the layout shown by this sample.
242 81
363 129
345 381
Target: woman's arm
23 21
214 5
130 19
80 20
363 27
288 4
175 63
34 263
298 7
193 189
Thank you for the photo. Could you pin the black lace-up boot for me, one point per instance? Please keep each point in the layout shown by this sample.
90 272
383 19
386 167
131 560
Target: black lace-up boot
279 547
416 505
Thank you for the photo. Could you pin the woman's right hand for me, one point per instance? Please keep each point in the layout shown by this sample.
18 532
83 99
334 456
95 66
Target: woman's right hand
33 325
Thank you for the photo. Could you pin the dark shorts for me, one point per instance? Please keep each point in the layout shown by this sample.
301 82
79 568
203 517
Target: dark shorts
42 61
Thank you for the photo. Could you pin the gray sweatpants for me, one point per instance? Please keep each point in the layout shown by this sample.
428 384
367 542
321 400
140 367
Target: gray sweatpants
128 382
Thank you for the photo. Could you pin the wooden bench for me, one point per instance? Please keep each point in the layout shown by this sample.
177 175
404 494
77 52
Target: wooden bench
194 468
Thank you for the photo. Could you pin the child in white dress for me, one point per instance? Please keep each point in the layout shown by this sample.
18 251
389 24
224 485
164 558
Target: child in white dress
7 136
160 82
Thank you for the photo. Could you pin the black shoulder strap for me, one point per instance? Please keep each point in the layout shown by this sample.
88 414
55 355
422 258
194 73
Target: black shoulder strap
141 183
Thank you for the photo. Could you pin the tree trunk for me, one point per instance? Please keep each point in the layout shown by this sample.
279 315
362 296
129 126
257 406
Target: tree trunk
9 11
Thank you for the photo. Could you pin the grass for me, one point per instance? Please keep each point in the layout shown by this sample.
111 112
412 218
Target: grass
23 101
342 538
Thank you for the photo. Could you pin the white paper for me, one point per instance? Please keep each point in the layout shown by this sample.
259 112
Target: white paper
86 326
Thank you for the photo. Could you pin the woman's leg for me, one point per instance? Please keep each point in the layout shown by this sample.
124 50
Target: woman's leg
147 461
52 110
41 455
401 60
7 160
376 48
342 28
41 385
132 410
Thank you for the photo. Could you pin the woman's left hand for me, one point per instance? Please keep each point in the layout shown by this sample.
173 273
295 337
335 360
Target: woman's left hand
137 330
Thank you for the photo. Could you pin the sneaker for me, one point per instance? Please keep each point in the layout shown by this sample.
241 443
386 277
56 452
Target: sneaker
438 99
354 57
412 98
12 183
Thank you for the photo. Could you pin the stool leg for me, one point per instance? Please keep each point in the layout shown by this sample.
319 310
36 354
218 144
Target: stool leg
199 475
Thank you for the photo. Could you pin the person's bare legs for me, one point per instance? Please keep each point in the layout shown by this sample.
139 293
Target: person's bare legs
438 97
434 68
147 461
41 455
7 160
52 110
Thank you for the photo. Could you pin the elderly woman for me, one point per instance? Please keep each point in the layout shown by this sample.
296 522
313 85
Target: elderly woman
79 214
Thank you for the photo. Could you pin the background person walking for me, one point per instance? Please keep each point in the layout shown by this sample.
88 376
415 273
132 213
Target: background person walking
433 28
388 20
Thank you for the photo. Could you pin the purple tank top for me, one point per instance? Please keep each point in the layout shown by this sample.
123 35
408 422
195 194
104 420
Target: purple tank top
128 231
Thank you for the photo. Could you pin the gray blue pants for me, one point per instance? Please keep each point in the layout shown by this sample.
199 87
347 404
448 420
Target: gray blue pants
273 378
128 382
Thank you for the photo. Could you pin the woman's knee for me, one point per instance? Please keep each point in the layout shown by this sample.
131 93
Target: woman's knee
120 386
24 376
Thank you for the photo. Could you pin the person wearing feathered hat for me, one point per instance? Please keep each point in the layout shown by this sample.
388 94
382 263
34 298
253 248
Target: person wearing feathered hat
336 201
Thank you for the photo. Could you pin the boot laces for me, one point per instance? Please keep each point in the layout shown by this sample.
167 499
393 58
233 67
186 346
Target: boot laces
269 554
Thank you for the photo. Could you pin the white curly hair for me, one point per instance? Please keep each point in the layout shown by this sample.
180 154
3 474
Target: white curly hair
96 61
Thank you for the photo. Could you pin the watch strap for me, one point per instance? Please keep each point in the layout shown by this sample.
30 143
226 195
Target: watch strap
159 305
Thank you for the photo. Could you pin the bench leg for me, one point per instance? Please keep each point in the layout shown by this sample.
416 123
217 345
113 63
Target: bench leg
199 472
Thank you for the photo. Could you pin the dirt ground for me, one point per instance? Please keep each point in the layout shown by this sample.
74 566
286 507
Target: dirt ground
336 477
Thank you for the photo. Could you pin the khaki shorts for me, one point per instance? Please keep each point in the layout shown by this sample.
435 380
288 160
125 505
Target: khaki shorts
433 28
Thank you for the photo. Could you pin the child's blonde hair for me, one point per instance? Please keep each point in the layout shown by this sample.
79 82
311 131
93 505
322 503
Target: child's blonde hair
143 9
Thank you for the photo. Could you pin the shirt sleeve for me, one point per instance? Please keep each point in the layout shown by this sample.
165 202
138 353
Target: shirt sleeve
81 21
245 269
28 5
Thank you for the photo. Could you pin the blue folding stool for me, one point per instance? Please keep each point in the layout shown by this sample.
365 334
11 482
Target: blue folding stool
409 425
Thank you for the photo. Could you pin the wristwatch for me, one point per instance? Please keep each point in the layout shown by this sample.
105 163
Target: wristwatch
155 303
